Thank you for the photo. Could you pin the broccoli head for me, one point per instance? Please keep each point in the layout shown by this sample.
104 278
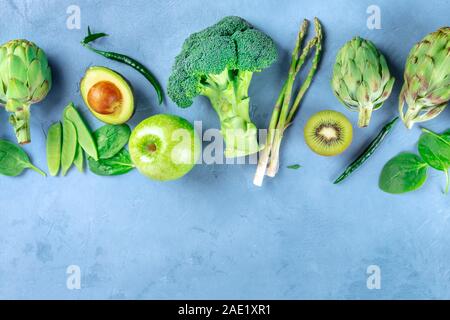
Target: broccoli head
219 63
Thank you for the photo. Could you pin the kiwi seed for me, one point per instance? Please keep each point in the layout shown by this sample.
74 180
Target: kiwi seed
328 133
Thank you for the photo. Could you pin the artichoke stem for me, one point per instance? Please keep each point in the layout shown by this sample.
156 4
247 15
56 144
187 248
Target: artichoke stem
410 116
20 120
364 116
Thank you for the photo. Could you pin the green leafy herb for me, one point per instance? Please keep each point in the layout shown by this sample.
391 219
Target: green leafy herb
117 165
294 166
13 160
435 150
403 173
111 139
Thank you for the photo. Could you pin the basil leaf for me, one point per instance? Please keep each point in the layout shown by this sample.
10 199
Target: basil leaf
111 139
403 173
13 160
117 165
435 149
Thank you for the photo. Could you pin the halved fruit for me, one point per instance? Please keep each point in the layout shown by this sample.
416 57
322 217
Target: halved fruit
107 95
328 133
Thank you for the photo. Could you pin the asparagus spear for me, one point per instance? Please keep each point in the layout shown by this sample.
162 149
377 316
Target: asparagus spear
284 113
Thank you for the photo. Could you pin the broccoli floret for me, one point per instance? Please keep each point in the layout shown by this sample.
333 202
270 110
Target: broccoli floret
219 63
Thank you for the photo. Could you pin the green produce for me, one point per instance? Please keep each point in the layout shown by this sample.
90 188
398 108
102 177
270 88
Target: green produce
114 159
361 78
84 135
69 145
25 79
78 161
218 63
435 151
54 144
13 160
164 147
118 164
328 133
403 173
107 95
367 153
111 139
123 59
407 172
284 112
294 167
426 89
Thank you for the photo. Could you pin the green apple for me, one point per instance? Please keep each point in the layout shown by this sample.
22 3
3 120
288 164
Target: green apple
164 147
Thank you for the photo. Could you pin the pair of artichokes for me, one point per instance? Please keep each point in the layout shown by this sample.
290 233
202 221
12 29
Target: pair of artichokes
362 81
25 79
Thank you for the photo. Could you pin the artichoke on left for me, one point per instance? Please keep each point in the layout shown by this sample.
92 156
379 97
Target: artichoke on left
25 79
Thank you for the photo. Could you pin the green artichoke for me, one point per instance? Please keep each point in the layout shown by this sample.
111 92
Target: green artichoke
427 78
25 79
361 78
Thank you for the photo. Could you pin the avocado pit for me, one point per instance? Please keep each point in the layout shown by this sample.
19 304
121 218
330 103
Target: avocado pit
104 97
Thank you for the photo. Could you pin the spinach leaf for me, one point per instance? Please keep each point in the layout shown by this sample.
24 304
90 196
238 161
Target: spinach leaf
117 165
435 149
13 160
403 173
111 139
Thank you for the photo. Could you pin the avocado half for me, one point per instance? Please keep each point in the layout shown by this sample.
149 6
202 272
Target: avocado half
108 95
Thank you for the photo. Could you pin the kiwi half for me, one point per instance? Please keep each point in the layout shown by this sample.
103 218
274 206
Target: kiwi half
328 133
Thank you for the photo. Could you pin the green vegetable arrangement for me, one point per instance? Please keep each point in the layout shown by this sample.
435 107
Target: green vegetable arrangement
67 143
426 89
25 79
284 112
139 67
407 171
361 78
219 63
13 160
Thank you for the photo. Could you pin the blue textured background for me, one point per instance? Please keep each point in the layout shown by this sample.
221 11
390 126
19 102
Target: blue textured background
213 234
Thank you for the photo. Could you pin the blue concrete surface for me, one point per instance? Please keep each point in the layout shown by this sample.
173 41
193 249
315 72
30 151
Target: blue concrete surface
213 234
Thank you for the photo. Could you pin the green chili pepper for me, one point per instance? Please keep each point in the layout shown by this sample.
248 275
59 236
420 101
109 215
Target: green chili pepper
365 155
123 59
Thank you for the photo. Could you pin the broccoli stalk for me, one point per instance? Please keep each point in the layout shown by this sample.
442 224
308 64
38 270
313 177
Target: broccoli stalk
228 94
219 63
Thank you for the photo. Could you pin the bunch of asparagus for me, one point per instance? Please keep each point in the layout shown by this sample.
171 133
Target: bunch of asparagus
285 111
